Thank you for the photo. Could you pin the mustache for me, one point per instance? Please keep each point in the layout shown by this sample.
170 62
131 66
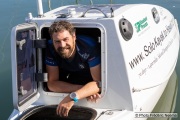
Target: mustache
63 48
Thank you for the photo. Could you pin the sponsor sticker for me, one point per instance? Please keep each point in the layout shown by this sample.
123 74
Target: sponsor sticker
141 24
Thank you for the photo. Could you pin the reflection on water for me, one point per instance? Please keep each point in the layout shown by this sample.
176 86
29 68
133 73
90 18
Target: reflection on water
167 101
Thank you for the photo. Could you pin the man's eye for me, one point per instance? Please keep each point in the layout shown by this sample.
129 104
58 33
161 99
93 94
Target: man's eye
66 39
56 41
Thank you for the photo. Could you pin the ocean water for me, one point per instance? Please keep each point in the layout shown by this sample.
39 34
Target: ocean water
13 12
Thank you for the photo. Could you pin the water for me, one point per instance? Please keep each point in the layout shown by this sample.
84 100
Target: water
13 12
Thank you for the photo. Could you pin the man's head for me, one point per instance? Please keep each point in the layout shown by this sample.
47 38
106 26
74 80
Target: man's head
63 36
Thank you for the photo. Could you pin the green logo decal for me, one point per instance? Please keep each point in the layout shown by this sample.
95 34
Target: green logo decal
140 25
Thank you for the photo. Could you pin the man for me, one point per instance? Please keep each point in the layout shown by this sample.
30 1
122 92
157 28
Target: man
73 66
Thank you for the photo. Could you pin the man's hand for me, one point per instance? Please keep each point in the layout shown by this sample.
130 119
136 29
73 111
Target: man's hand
94 98
64 106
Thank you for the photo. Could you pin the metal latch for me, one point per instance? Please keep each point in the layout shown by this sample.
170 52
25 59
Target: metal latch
21 43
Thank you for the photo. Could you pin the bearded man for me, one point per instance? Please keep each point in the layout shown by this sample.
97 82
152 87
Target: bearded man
73 66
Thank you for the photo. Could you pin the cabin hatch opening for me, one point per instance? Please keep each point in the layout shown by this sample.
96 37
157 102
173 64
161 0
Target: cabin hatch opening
94 33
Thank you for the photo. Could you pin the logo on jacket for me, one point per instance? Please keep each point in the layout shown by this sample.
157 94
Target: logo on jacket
81 66
84 56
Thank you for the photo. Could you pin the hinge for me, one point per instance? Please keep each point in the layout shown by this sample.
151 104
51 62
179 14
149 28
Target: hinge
41 77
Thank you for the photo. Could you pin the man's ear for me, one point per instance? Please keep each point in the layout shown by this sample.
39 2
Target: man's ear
74 36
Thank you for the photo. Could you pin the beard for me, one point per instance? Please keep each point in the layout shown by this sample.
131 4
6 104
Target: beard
66 52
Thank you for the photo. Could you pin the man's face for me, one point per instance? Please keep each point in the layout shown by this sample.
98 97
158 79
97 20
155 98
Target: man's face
64 43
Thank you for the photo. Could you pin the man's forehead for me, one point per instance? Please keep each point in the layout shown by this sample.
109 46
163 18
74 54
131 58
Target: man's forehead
61 34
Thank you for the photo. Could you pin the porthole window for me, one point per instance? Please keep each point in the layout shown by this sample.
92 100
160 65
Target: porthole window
126 29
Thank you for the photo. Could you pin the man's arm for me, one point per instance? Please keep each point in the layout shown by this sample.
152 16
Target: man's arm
89 89
55 85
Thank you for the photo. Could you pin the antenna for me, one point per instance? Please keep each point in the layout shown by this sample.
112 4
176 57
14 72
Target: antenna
77 1
91 2
112 12
49 4
39 8
111 1
111 9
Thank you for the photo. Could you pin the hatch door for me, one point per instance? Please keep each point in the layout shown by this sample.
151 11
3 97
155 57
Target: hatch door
23 57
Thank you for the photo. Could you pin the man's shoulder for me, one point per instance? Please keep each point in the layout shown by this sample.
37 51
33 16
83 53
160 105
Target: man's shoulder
87 48
86 40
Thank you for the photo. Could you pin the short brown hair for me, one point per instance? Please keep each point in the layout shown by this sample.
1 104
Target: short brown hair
58 26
